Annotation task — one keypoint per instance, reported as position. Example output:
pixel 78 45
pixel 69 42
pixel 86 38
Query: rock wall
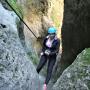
pixel 16 70
pixel 4 4
pixel 75 31
pixel 39 15
pixel 77 75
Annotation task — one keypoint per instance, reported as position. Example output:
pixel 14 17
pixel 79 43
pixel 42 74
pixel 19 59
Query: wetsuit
pixel 51 58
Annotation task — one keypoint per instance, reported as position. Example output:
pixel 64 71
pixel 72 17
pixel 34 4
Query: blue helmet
pixel 51 30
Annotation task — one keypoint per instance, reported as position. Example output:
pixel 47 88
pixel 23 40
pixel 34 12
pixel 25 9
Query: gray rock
pixel 8 18
pixel 16 71
pixel 77 75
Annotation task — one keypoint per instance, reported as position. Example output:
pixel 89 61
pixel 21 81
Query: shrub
pixel 16 7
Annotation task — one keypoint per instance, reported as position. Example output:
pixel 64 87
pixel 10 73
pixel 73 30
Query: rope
pixel 21 18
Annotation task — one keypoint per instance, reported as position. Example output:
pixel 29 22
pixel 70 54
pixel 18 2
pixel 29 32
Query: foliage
pixel 85 57
pixel 34 57
pixel 55 18
pixel 17 7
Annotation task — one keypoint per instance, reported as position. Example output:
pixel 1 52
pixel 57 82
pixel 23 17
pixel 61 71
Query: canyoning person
pixel 49 53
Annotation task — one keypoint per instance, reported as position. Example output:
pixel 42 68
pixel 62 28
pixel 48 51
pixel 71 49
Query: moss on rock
pixel 77 75
pixel 17 7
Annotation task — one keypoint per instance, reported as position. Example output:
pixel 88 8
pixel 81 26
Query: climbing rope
pixel 20 18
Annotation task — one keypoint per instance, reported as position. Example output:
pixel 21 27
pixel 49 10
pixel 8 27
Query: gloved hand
pixel 47 52
pixel 41 53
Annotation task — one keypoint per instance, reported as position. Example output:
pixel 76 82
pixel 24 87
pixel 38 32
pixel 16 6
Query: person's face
pixel 51 36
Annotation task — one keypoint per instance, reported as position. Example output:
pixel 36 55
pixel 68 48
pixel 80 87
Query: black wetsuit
pixel 51 58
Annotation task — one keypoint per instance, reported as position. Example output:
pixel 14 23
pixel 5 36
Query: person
pixel 49 53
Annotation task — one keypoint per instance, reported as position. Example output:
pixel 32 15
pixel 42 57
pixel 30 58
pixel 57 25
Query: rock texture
pixel 5 4
pixel 75 30
pixel 16 71
pixel 39 15
pixel 77 75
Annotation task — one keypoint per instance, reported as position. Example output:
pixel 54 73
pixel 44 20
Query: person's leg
pixel 42 62
pixel 51 63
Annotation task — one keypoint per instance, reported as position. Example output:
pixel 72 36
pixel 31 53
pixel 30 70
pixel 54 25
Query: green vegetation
pixel 55 18
pixel 17 7
pixel 85 57
pixel 82 63
pixel 34 57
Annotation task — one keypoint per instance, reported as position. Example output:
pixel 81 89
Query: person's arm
pixel 57 48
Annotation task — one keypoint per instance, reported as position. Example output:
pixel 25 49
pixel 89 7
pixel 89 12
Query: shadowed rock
pixel 75 31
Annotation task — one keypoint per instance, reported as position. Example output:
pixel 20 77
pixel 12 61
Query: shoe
pixel 45 87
